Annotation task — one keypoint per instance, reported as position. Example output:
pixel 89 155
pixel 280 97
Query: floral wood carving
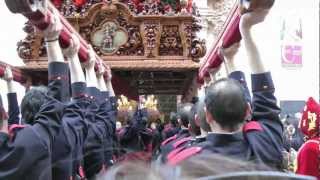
pixel 24 47
pixel 187 36
pixel 134 45
pixel 198 48
pixel 148 36
pixel 151 31
pixel 170 41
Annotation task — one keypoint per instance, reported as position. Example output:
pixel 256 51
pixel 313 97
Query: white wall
pixel 291 83
pixel 297 83
pixel 11 32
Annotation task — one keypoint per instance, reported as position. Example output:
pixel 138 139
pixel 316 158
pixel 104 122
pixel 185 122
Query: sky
pixel 10 34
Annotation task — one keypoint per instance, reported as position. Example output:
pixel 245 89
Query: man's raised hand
pixel 92 59
pixel 252 18
pixel 230 52
pixel 73 48
pixel 8 76
pixel 53 30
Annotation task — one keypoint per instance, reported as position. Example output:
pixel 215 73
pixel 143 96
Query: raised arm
pixel 247 21
pixel 78 81
pixel 58 83
pixel 100 78
pixel 228 54
pixel 233 71
pixel 264 102
pixel 13 107
pixel 32 144
pixel 109 83
pixel 51 37
pixel 265 112
pixel 3 120
pixel 89 69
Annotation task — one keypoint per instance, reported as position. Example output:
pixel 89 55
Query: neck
pixel 203 132
pixel 219 130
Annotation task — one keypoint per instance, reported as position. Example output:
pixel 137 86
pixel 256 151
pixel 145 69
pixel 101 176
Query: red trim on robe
pixel 185 154
pixel 181 141
pixel 252 126
pixel 169 140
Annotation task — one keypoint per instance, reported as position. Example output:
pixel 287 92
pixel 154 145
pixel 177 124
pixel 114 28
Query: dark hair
pixel 194 100
pixel 32 102
pixel 195 127
pixel 173 119
pixel 202 116
pixel 185 114
pixel 199 166
pixel 225 101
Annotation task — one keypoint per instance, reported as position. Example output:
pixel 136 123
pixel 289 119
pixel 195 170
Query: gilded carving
pixel 151 31
pixel 170 41
pixel 115 30
pixel 198 48
pixel 24 47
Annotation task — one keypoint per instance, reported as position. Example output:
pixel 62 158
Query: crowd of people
pixel 69 129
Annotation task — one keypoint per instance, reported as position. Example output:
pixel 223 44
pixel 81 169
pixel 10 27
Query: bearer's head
pixel 185 115
pixel 226 105
pixel 32 102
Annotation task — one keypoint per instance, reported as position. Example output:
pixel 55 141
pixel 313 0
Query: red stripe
pixel 185 154
pixel 252 126
pixel 169 140
pixel 174 152
pixel 181 141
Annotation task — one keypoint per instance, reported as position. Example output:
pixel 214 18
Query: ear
pixel 248 112
pixel 189 127
pixel 208 116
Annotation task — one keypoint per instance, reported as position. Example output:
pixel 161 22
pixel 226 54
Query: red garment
pixel 79 3
pixel 310 121
pixel 308 158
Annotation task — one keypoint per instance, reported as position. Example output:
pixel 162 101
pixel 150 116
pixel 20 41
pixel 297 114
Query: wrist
pixel 244 30
pixel 50 40
pixel 70 58
pixel 100 77
pixel 231 65
pixel 89 69
pixel 108 80
pixel 9 81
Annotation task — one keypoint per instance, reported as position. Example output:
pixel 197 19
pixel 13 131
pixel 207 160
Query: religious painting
pixel 109 37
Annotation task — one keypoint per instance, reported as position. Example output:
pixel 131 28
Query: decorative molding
pixel 151 36
pixel 170 41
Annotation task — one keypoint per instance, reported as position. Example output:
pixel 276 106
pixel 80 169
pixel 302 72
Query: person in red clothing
pixel 308 159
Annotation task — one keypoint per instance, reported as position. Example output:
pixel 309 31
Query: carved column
pixel 186 37
pixel 151 40
pixel 213 17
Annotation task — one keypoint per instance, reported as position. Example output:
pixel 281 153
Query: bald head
pixel 225 101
